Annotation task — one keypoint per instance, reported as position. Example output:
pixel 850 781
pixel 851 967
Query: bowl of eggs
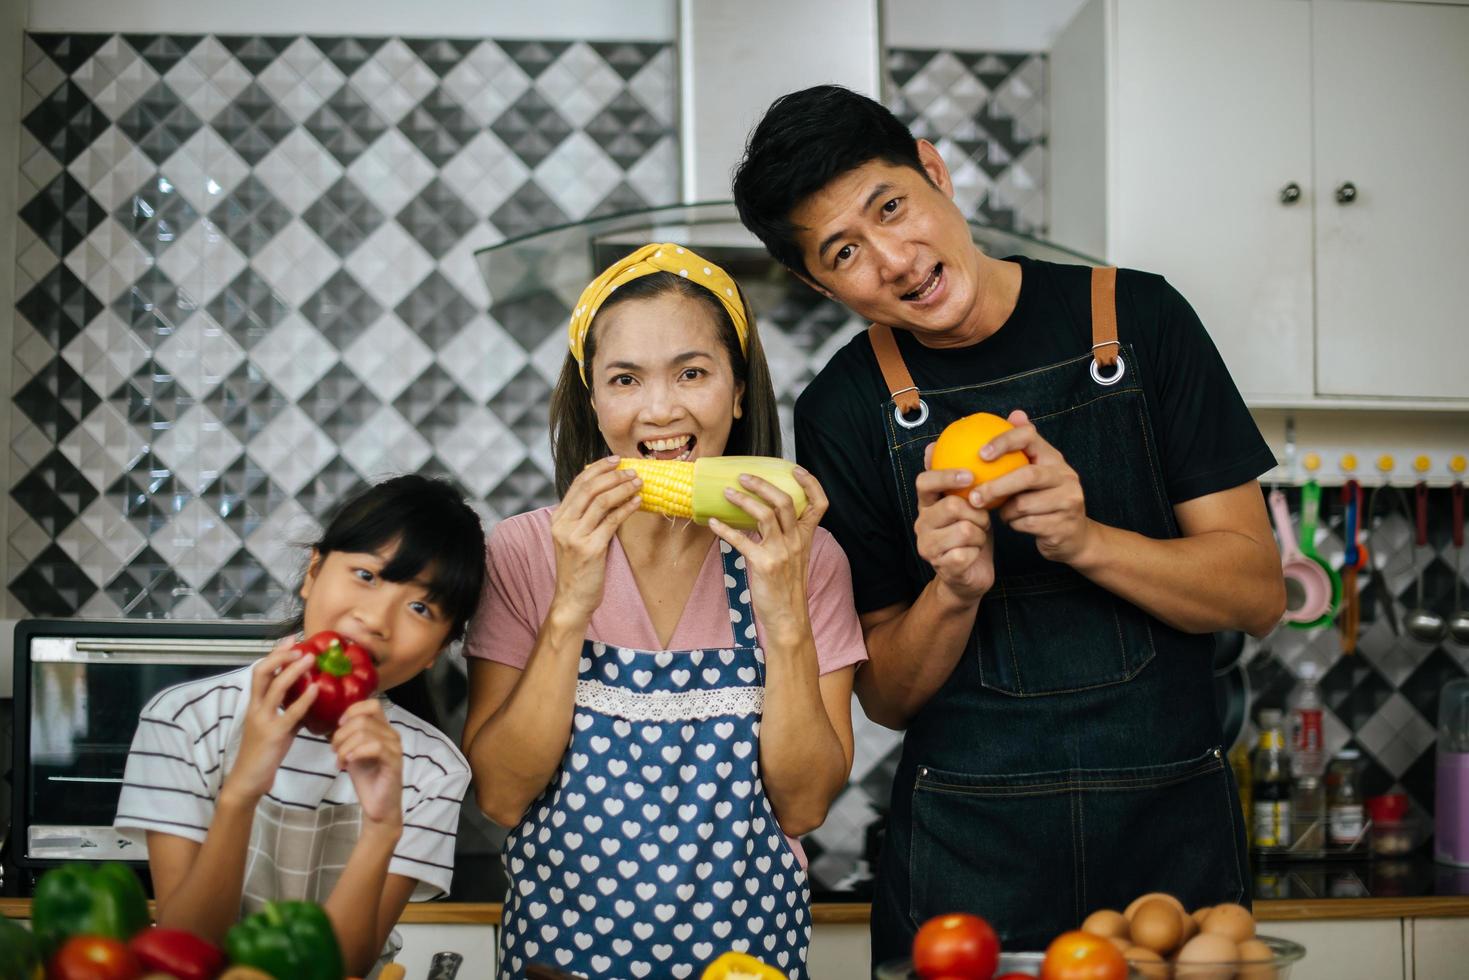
pixel 1161 940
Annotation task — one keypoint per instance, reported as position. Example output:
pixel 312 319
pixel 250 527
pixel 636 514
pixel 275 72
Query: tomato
pixel 956 947
pixel 1082 956
pixel 93 958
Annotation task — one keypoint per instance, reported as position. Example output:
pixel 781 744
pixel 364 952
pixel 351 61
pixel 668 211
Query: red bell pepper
pixel 343 675
pixel 178 953
pixel 93 958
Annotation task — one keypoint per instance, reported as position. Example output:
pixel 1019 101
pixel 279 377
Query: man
pixel 1048 659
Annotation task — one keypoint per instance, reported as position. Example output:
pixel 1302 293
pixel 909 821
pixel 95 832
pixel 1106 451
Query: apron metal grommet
pixel 1114 377
pixel 922 415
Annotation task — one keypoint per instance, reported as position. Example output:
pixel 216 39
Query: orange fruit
pixel 958 448
pixel 1082 956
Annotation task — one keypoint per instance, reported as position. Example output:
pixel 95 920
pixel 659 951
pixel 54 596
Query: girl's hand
pixel 370 751
pixel 268 730
pixel 597 502
pixel 778 553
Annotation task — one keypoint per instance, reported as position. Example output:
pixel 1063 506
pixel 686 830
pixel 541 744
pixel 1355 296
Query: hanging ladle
pixel 1459 621
pixel 1424 625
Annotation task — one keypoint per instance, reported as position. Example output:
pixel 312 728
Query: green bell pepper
pixel 20 954
pixel 88 899
pixel 288 940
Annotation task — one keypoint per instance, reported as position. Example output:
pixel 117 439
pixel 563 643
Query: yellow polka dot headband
pixel 657 257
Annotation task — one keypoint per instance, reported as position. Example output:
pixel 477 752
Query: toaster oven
pixel 79 688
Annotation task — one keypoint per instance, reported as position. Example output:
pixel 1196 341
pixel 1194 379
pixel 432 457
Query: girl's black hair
pixel 429 526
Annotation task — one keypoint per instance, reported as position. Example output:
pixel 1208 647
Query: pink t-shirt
pixel 521 563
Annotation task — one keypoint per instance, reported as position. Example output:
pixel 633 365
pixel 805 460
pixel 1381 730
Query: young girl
pixel 240 805
pixel 651 748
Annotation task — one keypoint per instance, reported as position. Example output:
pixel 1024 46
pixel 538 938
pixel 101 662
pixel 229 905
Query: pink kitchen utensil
pixel 1307 587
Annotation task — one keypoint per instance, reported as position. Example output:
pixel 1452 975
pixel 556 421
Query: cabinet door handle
pixel 1346 193
pixel 1290 193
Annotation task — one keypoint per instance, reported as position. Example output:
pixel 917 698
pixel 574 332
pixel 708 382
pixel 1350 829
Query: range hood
pixel 541 274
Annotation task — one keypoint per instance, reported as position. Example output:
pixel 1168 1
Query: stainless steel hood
pixel 543 273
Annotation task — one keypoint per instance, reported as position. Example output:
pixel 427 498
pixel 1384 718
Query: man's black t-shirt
pixel 1207 440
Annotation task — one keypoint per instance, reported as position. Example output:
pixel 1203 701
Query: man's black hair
pixel 805 140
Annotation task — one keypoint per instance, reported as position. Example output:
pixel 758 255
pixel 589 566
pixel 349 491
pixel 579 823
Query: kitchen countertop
pixel 1411 888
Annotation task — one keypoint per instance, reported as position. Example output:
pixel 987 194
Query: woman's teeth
pixel 679 446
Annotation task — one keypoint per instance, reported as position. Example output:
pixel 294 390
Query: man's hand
pixel 953 532
pixel 1046 500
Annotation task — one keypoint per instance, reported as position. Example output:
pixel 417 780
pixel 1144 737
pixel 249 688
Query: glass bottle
pixel 1272 784
pixel 1345 817
pixel 1307 754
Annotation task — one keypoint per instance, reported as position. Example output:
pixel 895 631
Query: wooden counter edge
pixel 856 913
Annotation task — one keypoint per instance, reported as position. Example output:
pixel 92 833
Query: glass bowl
pixel 1286 954
pixel 1026 963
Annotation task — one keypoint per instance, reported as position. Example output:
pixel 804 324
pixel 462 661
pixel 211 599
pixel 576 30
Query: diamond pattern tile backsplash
pixel 246 287
pixel 986 113
pixel 1383 697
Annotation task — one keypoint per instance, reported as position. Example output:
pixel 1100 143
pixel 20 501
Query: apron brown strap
pixel 1105 345
pixel 894 372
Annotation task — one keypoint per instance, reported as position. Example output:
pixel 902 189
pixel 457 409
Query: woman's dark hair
pixel 431 528
pixel 805 140
pixel 575 438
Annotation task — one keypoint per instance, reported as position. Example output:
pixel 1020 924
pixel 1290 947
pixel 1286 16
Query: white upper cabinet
pixel 1391 124
pixel 1212 141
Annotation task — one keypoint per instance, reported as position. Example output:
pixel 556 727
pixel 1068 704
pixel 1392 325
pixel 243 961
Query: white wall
pixel 736 58
pixel 640 20
pixel 975 25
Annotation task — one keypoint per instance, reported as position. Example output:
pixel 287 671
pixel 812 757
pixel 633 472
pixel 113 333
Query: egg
pixel 1157 925
pixel 1233 922
pixel 1146 963
pixel 1207 956
pixel 1122 943
pixel 1190 928
pixel 1137 903
pixel 1107 923
pixel 1254 951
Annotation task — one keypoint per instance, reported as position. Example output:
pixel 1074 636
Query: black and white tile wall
pixel 986 113
pixel 245 287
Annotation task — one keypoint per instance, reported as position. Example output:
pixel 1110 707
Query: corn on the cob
pixel 668 485
pixel 695 490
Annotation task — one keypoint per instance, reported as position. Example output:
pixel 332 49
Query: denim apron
pixel 1073 759
pixel 655 849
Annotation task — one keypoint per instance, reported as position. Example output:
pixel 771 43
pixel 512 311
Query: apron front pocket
pixel 1056 633
pixel 1172 828
pixel 1035 853
pixel 997 846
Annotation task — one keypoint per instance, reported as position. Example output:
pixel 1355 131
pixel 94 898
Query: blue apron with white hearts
pixel 655 849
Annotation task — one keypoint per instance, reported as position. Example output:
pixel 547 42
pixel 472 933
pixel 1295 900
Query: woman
pixel 647 752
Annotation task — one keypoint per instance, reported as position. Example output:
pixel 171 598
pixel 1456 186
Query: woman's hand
pixel 778 553
pixel 269 731
pixel 370 751
pixel 597 502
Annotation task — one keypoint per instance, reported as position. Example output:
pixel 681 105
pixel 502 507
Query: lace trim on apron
pixel 696 705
